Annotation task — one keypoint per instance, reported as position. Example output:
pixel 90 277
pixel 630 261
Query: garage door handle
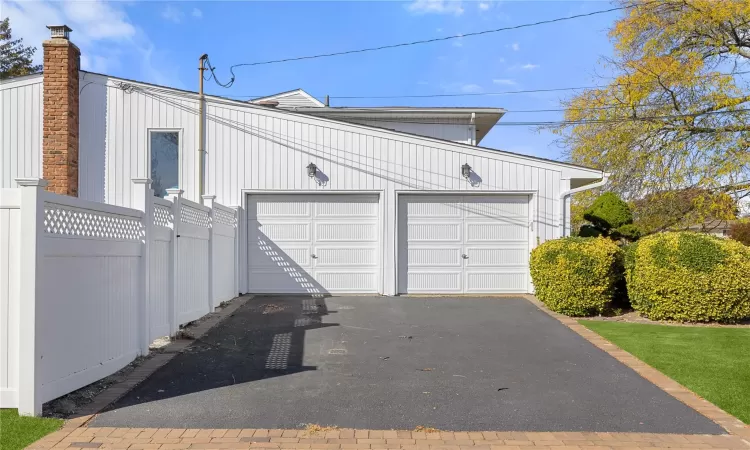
pixel 465 256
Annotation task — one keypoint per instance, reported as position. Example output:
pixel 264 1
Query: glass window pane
pixel 165 147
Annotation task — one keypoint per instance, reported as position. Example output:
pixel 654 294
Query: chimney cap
pixel 59 31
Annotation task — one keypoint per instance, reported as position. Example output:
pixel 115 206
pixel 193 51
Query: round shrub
pixel 608 211
pixel 576 276
pixel 689 277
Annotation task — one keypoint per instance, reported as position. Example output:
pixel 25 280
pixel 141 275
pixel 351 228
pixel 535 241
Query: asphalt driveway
pixel 396 363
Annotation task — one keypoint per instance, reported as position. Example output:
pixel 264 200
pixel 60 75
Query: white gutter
pixel 565 194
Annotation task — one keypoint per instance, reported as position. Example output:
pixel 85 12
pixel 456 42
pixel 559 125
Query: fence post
pixel 208 200
pixel 143 200
pixel 237 243
pixel 175 195
pixel 32 233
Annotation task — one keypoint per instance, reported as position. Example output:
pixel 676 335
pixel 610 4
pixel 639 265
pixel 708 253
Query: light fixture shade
pixel 312 169
pixel 466 170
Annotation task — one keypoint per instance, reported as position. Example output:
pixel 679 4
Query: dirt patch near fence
pixel 71 405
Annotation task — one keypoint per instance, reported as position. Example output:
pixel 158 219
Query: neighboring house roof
pixel 483 118
pixel 712 226
pixel 291 99
pixel 300 101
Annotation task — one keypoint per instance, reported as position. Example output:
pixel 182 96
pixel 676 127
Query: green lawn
pixel 18 432
pixel 712 362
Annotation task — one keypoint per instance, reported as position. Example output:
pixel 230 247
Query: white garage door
pixel 304 243
pixel 463 244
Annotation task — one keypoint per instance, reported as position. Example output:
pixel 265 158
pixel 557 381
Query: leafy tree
pixel 609 216
pixel 15 59
pixel 677 114
pixel 679 209
pixel 740 231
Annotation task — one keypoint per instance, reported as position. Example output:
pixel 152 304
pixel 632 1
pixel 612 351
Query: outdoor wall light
pixel 466 170
pixel 312 170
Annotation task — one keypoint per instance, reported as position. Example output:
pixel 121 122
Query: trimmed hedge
pixel 608 211
pixel 577 276
pixel 689 277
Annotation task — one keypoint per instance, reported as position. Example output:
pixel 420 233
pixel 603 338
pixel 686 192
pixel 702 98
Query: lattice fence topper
pixel 163 216
pixel 224 217
pixel 194 216
pixel 68 221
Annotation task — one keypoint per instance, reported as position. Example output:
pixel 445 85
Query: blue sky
pixel 160 42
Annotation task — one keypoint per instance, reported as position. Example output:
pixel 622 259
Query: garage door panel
pixel 434 257
pixel 431 209
pixel 267 256
pixel 285 231
pixel 508 207
pixel 347 209
pixel 346 231
pixel 496 281
pixel 281 208
pixel 433 232
pixel 495 232
pixel 345 256
pixel 496 257
pixel 435 281
pixel 347 281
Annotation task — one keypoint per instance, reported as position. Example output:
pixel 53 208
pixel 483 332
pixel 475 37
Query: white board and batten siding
pixel 21 106
pixel 20 129
pixel 255 149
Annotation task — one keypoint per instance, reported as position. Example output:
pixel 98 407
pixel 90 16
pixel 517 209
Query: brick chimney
pixel 62 60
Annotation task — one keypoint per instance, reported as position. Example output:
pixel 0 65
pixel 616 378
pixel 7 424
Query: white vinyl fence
pixel 87 286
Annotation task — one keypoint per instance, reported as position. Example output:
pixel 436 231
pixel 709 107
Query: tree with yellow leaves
pixel 676 116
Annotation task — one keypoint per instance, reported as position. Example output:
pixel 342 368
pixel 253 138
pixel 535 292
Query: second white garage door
pixel 463 243
pixel 311 243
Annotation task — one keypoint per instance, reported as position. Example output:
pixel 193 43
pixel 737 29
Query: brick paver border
pixel 347 439
pixel 730 423
pixel 75 434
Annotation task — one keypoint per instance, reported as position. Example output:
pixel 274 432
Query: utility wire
pixel 418 42
pixel 131 88
pixel 480 94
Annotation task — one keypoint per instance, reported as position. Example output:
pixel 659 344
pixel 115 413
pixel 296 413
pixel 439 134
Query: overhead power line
pixel 480 94
pixel 418 42
pixel 129 88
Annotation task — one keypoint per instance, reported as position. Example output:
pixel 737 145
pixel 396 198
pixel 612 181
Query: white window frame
pixel 179 132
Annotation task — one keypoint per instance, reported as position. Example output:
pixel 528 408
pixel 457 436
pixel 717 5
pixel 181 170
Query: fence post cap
pixel 175 191
pixel 208 197
pixel 34 182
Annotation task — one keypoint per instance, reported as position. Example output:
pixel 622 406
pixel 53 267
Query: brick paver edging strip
pixel 347 439
pixel 725 420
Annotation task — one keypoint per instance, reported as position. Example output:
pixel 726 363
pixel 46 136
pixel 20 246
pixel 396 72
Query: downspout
pixel 565 194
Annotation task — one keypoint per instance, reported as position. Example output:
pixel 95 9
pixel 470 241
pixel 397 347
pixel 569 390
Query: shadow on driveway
pixel 460 364
pixel 258 341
